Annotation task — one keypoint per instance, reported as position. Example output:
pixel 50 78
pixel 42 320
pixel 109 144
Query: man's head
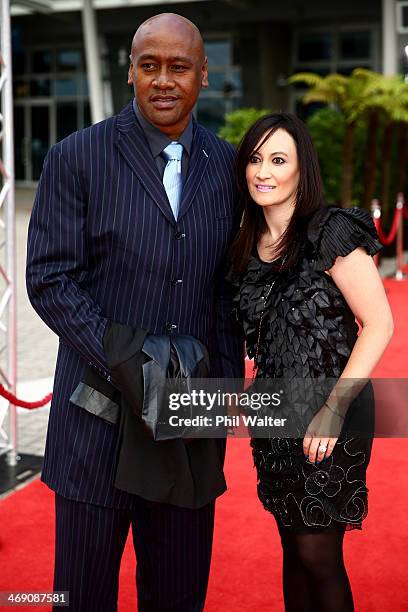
pixel 167 70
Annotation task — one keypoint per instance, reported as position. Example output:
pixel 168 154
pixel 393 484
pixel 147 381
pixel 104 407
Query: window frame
pixel 336 63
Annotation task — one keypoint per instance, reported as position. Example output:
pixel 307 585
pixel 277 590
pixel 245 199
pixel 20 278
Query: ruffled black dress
pixel 309 331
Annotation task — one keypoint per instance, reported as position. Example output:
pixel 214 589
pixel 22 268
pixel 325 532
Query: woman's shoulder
pixel 333 232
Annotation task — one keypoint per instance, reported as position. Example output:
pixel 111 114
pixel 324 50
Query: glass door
pixel 40 138
pixel 33 124
pixel 20 144
pixel 225 91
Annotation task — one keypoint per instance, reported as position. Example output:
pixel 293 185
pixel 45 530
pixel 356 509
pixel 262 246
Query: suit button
pixel 171 327
pixel 179 235
pixel 176 281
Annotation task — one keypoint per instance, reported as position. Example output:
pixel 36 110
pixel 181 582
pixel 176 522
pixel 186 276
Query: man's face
pixel 167 71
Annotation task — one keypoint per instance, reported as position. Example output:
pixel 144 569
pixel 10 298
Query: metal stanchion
pixel 399 255
pixel 376 214
pixel 396 233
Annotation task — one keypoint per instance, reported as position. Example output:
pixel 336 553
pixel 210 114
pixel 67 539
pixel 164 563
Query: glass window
pixel 66 87
pixel 315 47
pixel 40 87
pixel 355 45
pixel 210 112
pixel 404 15
pixel 19 62
pixel 41 61
pixel 347 70
pixel 321 70
pixel 225 89
pixel 82 85
pixel 225 81
pixel 21 89
pixel 87 115
pixel 39 138
pixel 216 80
pixel 18 50
pixel 67 121
pixel 218 52
pixel 68 60
pixel 19 149
pixel 235 103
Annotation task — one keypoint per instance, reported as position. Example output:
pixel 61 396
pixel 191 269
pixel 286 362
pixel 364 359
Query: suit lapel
pixel 133 146
pixel 200 154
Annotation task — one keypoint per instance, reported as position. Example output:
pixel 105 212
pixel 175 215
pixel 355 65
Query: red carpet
pixel 246 571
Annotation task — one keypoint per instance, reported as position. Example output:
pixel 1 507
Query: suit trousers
pixel 172 546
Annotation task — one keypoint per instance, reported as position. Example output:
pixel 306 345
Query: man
pixel 130 234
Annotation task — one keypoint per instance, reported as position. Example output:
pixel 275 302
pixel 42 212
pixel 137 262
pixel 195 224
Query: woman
pixel 305 273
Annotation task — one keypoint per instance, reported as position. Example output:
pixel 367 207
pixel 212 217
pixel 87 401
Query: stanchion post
pixel 376 214
pixel 9 270
pixel 399 274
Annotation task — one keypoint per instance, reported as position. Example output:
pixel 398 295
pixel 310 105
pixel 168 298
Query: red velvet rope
pixel 405 211
pixel 23 404
pixel 386 240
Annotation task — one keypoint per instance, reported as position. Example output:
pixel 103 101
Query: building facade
pixel 252 47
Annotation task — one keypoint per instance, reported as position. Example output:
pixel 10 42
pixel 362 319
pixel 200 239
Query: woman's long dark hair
pixel 309 194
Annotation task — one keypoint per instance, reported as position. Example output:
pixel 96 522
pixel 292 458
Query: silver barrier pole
pixel 376 214
pixel 399 273
pixel 7 201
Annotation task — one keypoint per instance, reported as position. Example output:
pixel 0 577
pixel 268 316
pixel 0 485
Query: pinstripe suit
pixel 104 246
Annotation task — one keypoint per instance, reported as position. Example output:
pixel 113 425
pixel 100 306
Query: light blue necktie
pixel 172 177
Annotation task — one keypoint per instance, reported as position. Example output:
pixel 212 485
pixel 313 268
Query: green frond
pixel 319 96
pixel 356 95
pixel 309 78
pixel 372 88
pixel 366 73
pixel 394 85
pixel 399 114
pixel 336 80
pixel 372 79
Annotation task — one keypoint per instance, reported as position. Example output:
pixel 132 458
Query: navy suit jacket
pixel 104 247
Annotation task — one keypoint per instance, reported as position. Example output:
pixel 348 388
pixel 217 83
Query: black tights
pixel 314 575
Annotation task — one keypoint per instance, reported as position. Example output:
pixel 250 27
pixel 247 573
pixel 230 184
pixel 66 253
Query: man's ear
pixel 204 73
pixel 130 73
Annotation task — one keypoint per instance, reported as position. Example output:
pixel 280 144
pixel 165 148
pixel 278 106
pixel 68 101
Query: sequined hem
pixel 302 495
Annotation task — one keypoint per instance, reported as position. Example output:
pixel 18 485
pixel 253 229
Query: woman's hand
pixel 317 445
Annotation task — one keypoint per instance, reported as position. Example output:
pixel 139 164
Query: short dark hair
pixel 309 194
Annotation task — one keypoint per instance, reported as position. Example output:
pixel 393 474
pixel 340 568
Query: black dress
pixel 308 331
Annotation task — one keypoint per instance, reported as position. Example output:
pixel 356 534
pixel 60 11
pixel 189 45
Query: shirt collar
pixel 159 141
